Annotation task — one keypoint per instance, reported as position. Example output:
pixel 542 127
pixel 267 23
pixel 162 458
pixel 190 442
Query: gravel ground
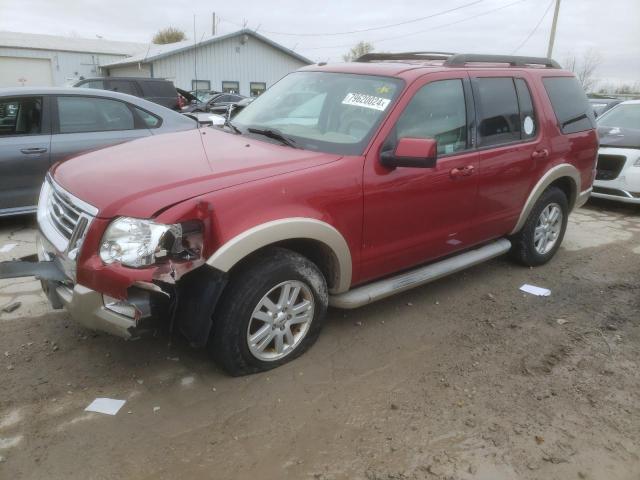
pixel 466 378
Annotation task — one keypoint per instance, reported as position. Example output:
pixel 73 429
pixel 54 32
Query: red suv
pixel 340 185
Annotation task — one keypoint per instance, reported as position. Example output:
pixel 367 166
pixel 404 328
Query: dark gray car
pixel 42 126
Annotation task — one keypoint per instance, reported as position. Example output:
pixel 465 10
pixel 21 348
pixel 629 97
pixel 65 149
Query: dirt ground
pixel 466 378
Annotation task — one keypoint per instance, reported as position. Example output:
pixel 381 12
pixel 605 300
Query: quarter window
pixel 256 88
pixel 20 116
pixel 151 121
pixel 527 113
pixel 437 111
pixel 498 111
pixel 231 87
pixel 88 114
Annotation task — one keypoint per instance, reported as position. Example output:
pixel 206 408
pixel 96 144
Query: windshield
pixel 328 112
pixel 623 116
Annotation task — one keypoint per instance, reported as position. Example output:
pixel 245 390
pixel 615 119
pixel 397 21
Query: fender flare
pixel 559 171
pixel 249 241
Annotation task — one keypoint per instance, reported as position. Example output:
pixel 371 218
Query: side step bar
pixel 372 292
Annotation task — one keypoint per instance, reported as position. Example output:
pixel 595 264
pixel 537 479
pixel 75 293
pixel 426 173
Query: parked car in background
pixel 206 119
pixel 156 90
pixel 618 169
pixel 601 105
pixel 42 126
pixel 214 103
pixel 401 170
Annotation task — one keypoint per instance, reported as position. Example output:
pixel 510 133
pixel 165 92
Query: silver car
pixel 42 126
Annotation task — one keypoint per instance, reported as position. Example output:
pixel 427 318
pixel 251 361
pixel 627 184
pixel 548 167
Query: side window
pixel 87 114
pixel 231 87
pixel 570 104
pixel 529 124
pixel 150 121
pixel 98 84
pixel 123 86
pixel 437 111
pixel 158 88
pixel 498 112
pixel 20 116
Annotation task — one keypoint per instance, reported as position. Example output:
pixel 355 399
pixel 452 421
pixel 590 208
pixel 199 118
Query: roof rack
pixel 462 59
pixel 378 57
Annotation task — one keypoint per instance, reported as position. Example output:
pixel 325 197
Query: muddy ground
pixel 467 378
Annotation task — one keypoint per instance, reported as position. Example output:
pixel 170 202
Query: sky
pixel 316 29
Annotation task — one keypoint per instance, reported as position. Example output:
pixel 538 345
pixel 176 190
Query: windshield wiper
pixel 227 123
pixel 275 134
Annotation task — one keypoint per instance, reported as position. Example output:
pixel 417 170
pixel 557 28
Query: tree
pixel 361 48
pixel 585 68
pixel 168 35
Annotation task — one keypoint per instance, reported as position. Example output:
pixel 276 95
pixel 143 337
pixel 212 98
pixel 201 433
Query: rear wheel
pixel 271 312
pixel 544 230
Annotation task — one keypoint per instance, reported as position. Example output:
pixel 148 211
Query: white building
pixel 28 59
pixel 243 62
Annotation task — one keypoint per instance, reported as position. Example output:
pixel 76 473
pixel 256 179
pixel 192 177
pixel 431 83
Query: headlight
pixel 137 243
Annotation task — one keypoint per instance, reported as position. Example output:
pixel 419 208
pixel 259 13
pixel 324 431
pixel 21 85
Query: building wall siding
pixel 66 67
pixel 228 60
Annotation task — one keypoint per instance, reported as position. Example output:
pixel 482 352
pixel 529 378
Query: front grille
pixel 64 215
pixel 609 166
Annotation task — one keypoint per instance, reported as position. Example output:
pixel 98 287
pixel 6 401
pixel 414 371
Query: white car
pixel 618 170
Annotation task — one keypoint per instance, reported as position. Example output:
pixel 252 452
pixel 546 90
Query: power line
pixel 406 22
pixel 535 29
pixel 488 12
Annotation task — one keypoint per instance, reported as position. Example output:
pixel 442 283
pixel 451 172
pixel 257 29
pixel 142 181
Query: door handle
pixel 462 171
pixel 33 150
pixel 544 153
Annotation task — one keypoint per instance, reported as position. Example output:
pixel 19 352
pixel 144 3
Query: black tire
pixel 229 345
pixel 523 248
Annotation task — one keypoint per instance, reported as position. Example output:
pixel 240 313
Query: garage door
pixel 28 72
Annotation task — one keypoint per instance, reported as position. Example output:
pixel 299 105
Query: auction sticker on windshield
pixel 366 101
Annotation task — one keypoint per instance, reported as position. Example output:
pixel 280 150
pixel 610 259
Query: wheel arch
pixel 317 240
pixel 564 176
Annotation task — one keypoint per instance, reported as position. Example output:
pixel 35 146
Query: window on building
pixel 231 87
pixel 123 86
pixel 437 111
pixel 498 111
pixel 87 114
pixel 20 116
pixel 569 103
pixel 256 88
pixel 201 85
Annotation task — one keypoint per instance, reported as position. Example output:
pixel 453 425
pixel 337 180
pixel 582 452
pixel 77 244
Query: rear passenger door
pixel 24 150
pixel 510 147
pixel 83 123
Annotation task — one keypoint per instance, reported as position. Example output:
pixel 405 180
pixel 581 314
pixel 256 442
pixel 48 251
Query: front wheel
pixel 544 230
pixel 271 312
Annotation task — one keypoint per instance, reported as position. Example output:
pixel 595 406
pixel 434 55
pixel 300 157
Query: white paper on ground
pixel 7 248
pixel 108 406
pixel 532 289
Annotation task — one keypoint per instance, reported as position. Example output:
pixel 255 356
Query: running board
pixel 372 292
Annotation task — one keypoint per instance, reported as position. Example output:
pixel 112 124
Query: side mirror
pixel 412 152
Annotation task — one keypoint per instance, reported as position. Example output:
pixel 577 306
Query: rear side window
pixel 158 89
pixel 20 116
pixel 123 86
pixel 527 113
pixel 570 104
pixel 437 111
pixel 89 114
pixel 498 111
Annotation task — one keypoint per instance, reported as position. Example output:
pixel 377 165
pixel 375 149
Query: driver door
pixel 414 215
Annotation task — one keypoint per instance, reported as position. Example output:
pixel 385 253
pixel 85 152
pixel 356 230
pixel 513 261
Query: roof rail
pixel 461 59
pixel 378 57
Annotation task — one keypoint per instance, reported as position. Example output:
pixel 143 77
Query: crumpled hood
pixel 619 137
pixel 143 176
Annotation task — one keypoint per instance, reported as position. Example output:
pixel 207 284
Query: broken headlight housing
pixel 136 242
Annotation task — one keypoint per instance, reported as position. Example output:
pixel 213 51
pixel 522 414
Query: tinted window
pixel 151 121
pixel 99 84
pixel 20 116
pixel 569 103
pixel 86 114
pixel 498 112
pixel 529 124
pixel 123 86
pixel 437 111
pixel 158 88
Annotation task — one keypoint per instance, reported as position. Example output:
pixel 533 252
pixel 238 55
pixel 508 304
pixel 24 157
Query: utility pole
pixel 213 24
pixel 552 37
